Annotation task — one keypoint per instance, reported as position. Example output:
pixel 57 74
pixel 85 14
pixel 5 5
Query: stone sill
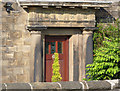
pixel 103 85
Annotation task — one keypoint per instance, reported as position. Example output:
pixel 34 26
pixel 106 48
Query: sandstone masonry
pixel 15 45
pixel 21 35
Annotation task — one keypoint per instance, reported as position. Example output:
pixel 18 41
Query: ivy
pixel 106 61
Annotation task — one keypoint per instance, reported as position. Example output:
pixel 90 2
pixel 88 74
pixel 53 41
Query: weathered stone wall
pixel 16 42
pixel 15 45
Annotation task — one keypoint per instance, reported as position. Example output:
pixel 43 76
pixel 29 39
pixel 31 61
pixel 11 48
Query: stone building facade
pixel 30 23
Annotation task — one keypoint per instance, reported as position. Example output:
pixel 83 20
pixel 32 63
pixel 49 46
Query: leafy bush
pixel 106 61
pixel 56 67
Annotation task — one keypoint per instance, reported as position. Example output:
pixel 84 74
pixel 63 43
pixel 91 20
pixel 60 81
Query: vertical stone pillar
pixel 81 62
pixel 71 58
pixel 75 57
pixel 87 51
pixel 36 60
pixel 75 51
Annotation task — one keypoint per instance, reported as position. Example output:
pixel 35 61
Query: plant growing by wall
pixel 106 62
pixel 56 68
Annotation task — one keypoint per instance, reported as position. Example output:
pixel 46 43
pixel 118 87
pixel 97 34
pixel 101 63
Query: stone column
pixel 87 51
pixel 80 49
pixel 74 57
pixel 36 60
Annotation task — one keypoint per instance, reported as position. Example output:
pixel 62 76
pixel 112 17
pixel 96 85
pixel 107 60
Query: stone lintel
pixel 36 28
pixel 39 27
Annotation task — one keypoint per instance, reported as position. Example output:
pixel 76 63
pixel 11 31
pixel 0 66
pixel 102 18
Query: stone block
pixel 26 54
pixel 13 63
pixel 115 3
pixel 4 42
pixel 26 48
pixel 22 78
pixel 18 70
pixel 115 14
pixel 18 42
pixel 26 36
pixel 7 26
pixel 45 85
pixel 17 55
pixel 101 85
pixel 8 49
pixel 18 86
pixel 4 57
pixel 18 48
pixel 5 79
pixel 5 63
pixel 4 19
pixel 5 34
pixel 15 34
pixel 9 42
pixel 9 55
pixel 22 19
pixel 11 49
pixel 4 72
pixel 9 71
pixel 4 11
pixel 10 19
pixel 19 26
pixel 23 62
pixel 71 85
pixel 115 84
pixel 114 8
pixel 4 48
pixel 27 41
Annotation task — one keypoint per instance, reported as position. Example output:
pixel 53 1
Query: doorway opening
pixel 57 44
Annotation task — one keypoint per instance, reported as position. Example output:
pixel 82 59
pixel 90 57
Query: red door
pixel 59 45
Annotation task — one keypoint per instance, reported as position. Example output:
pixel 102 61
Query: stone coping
pixel 103 85
pixel 62 3
pixel 80 1
pixel 65 3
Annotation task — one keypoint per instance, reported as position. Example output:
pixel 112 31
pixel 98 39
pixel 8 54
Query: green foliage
pixel 56 67
pixel 110 31
pixel 106 61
